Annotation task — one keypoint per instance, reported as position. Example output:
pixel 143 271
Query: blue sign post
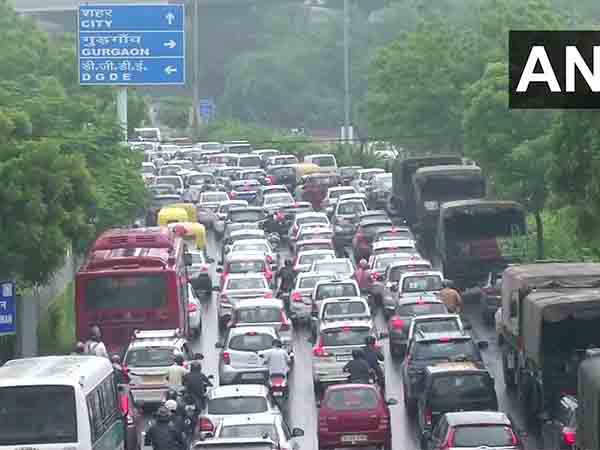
pixel 207 109
pixel 131 44
pixel 8 308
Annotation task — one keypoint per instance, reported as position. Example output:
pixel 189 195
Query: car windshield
pixel 336 193
pixel 345 336
pixel 436 325
pixel 225 406
pixel 283 199
pixel 308 235
pixel 351 207
pixel 309 259
pixel 420 309
pixel 249 161
pixel 341 268
pixel 445 349
pixel 150 357
pixel 336 290
pixel 251 342
pixel 352 399
pixel 465 386
pixel 283 171
pixel 40 414
pixel 246 216
pixel 324 161
pixel 312 219
pixel 259 315
pixel 245 283
pixel 382 263
pixel 250 247
pixel 316 246
pixel 344 309
pixel 213 197
pixel 250 431
pixel 396 272
pixel 245 266
pixel 483 436
pixel 173 181
pixel 422 283
pixel 203 178
pixel 310 282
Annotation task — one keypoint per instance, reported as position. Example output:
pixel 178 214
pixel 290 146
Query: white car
pixel 314 218
pixel 194 311
pixel 207 206
pixel 363 177
pixel 304 260
pixel 325 161
pixel 333 195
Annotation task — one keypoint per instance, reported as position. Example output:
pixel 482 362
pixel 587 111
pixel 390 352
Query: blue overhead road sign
pixel 8 308
pixel 131 44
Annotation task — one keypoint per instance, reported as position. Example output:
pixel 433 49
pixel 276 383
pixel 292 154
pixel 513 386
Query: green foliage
pixel 174 112
pixel 56 333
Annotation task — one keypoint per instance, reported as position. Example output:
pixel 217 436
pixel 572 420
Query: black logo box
pixel 538 94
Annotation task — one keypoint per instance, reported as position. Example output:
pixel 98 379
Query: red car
pixel 354 415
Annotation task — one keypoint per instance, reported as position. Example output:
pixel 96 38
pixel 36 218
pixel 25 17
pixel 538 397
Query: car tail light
pixel 449 442
pixel 569 436
pixel 515 438
pixel 397 323
pixel 319 350
pixel 124 404
pixel 268 274
pixel 374 276
pixel 226 358
pixel 279 216
pixel 296 297
pixel 224 298
pixel 204 269
pixel 427 416
pixel 285 323
pixel 384 421
pixel 268 294
pixel 444 339
pixel 192 307
pixel 206 425
pixel 270 179
pixel 566 392
pixel 269 259
pixel 232 195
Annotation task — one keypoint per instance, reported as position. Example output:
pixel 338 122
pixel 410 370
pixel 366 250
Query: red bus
pixel 132 279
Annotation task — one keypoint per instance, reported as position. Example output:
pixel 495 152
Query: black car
pixel 560 432
pixel 285 175
pixel 282 220
pixel 427 349
pixel 453 387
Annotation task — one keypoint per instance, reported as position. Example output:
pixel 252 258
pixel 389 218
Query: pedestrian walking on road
pixel 94 346
pixel 451 298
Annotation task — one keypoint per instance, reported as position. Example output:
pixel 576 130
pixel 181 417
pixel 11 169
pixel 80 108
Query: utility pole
pixel 196 66
pixel 347 134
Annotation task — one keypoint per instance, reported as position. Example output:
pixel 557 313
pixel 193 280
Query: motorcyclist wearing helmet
pixel 362 275
pixel 163 435
pixel 121 376
pixel 177 371
pixel 196 383
pixel 451 298
pixel 277 359
pixel 373 356
pixel 358 368
pixel 94 345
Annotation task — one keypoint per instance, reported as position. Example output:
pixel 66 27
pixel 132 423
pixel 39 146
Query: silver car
pixel 234 400
pixel 343 267
pixel 304 260
pixel 240 286
pixel 301 301
pixel 266 312
pixel 311 217
pixel 221 213
pixel 207 206
pixel 240 359
pixel 333 349
pixel 257 245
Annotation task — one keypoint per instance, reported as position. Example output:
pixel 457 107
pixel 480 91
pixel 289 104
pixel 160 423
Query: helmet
pixel 356 354
pixel 179 359
pixel 162 412
pixel 276 343
pixel 196 366
pixel 80 347
pixel 370 340
pixel 363 264
pixel 171 405
pixel 288 262
pixel 171 394
pixel 115 359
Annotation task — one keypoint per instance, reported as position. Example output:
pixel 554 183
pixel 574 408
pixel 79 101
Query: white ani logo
pixel 573 60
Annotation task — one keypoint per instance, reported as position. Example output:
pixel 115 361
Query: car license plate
pixel 252 376
pixel 354 438
pixel 277 394
pixel 343 357
pixel 157 379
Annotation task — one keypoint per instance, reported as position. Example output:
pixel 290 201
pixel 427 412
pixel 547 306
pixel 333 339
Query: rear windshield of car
pixel 245 283
pixel 419 309
pixel 251 342
pixel 311 282
pixel 245 247
pixel 436 325
pixel 352 399
pixel 308 247
pixel 351 207
pixel 348 171
pixel 253 161
pixel 170 170
pixel 344 309
pixel 484 436
pixel 458 387
pixel 307 236
pixel 445 350
pixel 345 336
pixel 259 315
pixel 334 267
pixel 317 219
pixel 279 199
pixel 237 405
pixel 282 171
pixel 309 259
pixel 245 266
pixel 251 431
pixel 252 175
pixel 201 179
pixel 149 357
pixel 382 263
pixel 173 181
pixel 213 197
pixel 422 283
pixel 373 227
pixel 338 192
pixel 336 290
pixel 397 272
pixel 246 216
pixel 324 161
pixel 321 180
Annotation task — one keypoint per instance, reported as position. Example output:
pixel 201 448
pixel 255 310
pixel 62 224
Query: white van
pixel 60 402
pixel 325 161
pixel 148 134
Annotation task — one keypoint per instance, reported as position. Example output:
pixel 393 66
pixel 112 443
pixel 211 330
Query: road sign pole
pixel 122 109
pixel 195 56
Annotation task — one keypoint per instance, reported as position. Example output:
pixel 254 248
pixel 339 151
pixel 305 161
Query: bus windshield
pixel 134 292
pixel 31 415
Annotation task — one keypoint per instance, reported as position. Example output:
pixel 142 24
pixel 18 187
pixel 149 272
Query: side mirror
pixel 187 258
pixel 219 270
pixel 297 432
pixel 218 345
pixel 391 402
pixel 482 345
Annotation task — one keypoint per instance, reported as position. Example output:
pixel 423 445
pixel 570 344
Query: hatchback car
pixel 147 359
pixel 334 344
pixel 334 287
pixel 340 308
pixel 246 262
pixel 281 160
pixel 377 267
pixel 246 400
pixel 477 429
pixel 304 260
pixel 391 279
pixel 268 190
pixel 393 233
pixel 363 177
pixel 420 283
pixel 274 202
pixel 240 286
pixel 173 180
pixel 263 312
pixel 244 190
pixel 257 246
pixel 347 173
pixel 247 160
pixel 332 196
pixel 301 302
pixel 270 426
pixel 365 233
pixel 309 232
pixel 396 246
pixel 354 415
pixel 315 218
pixel 207 206
pixel 240 359
pixel 285 175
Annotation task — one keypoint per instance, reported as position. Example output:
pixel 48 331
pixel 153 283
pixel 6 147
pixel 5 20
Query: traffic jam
pixel 326 307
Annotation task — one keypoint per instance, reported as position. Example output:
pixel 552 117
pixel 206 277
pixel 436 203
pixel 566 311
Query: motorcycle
pixel 274 240
pixel 278 385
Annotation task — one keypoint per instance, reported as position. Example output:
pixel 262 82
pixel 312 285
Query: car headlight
pixel 431 206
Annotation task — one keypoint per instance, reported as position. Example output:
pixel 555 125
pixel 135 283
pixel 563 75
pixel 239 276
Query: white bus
pixel 60 402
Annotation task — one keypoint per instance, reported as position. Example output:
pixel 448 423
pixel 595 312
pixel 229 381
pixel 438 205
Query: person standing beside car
pixel 451 298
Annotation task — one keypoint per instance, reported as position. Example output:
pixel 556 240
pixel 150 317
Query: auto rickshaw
pixel 170 214
pixel 190 208
pixel 193 233
pixel 303 169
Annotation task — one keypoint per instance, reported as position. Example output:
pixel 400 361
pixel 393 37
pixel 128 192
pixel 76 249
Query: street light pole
pixel 346 135
pixel 196 65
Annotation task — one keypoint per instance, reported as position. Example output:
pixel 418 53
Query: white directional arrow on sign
pixel 171 44
pixel 170 18
pixel 170 69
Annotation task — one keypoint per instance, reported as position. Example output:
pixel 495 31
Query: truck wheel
pixel 509 374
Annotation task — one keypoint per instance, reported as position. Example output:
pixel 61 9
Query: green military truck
pixel 549 316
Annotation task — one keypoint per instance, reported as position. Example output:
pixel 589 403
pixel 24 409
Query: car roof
pixel 373 169
pixel 453 367
pixel 251 241
pixel 279 194
pixel 274 186
pixel 311 214
pixel 244 276
pixel 322 251
pixel 156 338
pixel 246 256
pixel 477 418
pixel 353 323
pixel 368 221
pixel 422 273
pixel 343 300
pixel 235 390
pixel 394 243
pixel 416 299
pixel 315 275
pixel 233 202
pixel 253 419
pixel 451 335
pixel 252 329
pixel 259 303
pixel 372 212
pixel 247 208
pixel 313 241
pixel 337 260
pixel 341 188
pixel 409 261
